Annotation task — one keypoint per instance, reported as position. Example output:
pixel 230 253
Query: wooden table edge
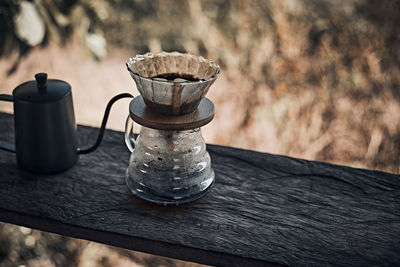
pixel 149 246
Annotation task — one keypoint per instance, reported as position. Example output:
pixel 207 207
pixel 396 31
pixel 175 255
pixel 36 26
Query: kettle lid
pixel 42 90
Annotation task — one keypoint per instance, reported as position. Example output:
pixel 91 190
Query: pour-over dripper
pixel 172 83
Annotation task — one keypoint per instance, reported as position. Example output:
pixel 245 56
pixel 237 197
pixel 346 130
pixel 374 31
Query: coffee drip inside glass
pixel 169 163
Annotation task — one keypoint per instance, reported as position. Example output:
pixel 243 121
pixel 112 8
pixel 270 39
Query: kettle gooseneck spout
pixel 103 123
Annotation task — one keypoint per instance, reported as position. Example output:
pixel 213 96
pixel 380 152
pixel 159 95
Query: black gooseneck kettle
pixel 46 139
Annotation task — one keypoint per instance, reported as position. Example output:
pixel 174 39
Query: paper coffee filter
pixel 151 65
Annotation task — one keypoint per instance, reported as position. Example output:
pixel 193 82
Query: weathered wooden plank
pixel 263 209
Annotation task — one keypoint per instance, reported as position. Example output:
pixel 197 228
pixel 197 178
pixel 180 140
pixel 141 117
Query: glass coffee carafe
pixel 168 166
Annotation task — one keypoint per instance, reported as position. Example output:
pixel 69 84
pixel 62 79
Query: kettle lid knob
pixel 41 80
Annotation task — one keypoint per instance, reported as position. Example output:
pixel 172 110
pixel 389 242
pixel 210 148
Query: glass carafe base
pixel 184 195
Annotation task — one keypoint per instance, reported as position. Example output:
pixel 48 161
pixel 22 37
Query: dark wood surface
pixel 263 209
pixel 143 115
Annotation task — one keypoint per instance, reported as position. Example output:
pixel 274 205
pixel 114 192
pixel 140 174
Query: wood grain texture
pixel 263 209
pixel 143 115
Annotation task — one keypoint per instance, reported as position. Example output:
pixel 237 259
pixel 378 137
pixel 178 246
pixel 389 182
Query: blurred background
pixel 318 80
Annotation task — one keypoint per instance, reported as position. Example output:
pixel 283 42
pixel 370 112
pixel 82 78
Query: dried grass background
pixel 313 79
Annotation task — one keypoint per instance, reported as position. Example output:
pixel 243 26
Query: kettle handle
pixel 3 145
pixel 130 140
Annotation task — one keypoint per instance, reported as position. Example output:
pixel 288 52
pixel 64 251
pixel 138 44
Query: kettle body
pixel 45 135
pixel 45 130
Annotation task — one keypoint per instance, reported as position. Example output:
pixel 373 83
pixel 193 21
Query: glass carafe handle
pixel 130 139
